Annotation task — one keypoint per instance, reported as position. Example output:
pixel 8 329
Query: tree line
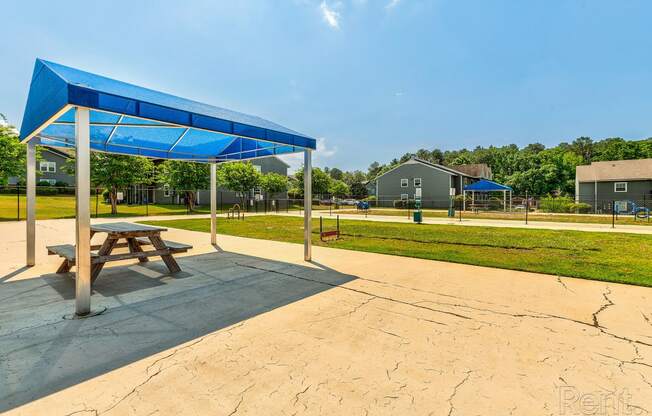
pixel 532 168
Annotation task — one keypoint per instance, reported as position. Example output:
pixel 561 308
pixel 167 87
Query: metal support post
pixel 83 219
pixel 307 205
pixel 31 203
pixel 213 203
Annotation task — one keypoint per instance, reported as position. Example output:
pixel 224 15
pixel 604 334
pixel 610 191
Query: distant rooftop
pixel 478 170
pixel 615 170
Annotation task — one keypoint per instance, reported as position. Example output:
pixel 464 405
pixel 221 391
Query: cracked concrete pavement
pixel 253 330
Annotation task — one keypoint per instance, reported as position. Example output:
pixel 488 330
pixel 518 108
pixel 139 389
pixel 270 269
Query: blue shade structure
pixel 132 120
pixel 485 185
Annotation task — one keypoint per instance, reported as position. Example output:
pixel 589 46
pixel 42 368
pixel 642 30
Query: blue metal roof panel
pixel 486 185
pixel 55 86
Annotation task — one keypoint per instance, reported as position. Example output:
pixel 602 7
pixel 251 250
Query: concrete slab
pixel 251 329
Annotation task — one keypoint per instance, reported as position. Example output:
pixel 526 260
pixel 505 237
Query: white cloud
pixel 330 15
pixel 319 156
pixel 392 4
pixel 323 150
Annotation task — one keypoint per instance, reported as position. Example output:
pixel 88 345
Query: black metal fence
pixel 59 202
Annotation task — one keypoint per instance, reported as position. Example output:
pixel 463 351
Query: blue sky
pixel 370 79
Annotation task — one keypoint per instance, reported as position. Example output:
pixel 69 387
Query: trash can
pixel 417 217
pixel 451 212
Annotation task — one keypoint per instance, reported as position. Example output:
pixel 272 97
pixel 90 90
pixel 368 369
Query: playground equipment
pixel 630 208
pixel 363 206
pixel 329 235
pixel 231 213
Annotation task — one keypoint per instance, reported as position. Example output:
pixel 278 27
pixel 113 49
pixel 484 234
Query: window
pixel 417 182
pixel 620 187
pixel 166 191
pixel 258 168
pixel 404 197
pixel 45 166
pixel 50 182
pixel 258 193
pixel 404 183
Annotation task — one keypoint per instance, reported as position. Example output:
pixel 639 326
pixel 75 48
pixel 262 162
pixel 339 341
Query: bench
pixel 172 245
pixel 326 235
pixel 69 253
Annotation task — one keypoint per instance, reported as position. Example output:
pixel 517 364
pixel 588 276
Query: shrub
pixel 44 188
pixel 555 204
pixel 63 188
pixel 580 208
pixel 402 203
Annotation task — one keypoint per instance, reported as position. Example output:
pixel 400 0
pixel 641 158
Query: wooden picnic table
pixel 135 236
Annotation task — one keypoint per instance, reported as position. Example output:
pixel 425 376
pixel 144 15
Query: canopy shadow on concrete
pixel 42 354
pixel 67 107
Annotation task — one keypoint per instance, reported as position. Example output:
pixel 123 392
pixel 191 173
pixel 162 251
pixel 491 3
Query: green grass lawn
pixel 513 216
pixel 63 206
pixel 613 257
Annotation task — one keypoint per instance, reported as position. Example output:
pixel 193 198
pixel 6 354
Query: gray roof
pixel 476 170
pixel 615 170
pixel 437 166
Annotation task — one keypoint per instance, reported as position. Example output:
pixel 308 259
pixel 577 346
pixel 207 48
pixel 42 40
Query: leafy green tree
pixel 373 170
pixel 617 149
pixel 339 188
pixel 320 182
pixel 437 156
pixel 583 147
pixel 336 174
pixel 239 177
pixel 273 183
pixel 356 182
pixel 424 154
pixel 12 154
pixel 187 177
pixel 116 172
pixel 533 168
pixel 535 148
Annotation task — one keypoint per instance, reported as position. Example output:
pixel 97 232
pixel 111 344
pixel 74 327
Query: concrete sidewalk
pixel 252 329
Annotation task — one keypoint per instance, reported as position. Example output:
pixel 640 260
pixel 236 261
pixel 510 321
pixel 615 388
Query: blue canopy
pixel 132 120
pixel 485 185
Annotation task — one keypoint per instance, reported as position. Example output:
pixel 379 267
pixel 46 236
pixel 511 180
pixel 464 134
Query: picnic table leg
pixel 134 247
pixel 65 267
pixel 105 250
pixel 172 264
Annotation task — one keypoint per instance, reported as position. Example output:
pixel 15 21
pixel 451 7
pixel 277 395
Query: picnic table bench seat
pixel 69 254
pixel 172 245
pixel 67 251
